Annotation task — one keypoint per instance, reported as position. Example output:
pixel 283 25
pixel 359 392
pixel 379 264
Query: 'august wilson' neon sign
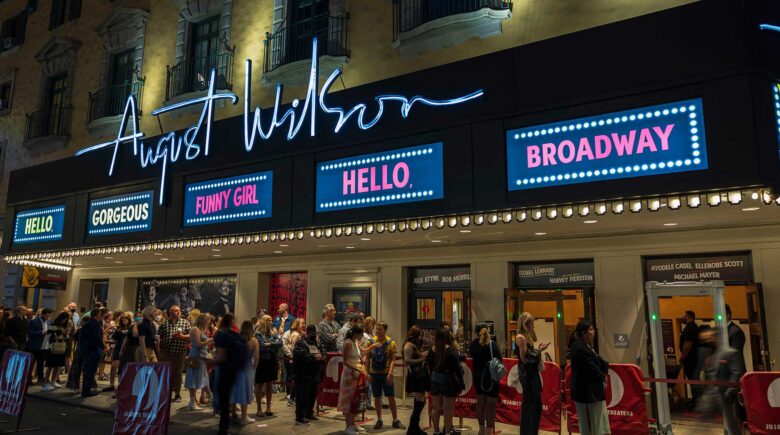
pixel 170 147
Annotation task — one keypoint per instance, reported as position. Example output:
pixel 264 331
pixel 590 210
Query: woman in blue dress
pixel 243 388
pixel 197 378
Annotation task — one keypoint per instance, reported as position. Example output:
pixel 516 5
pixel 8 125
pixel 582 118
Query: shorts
pixel 380 387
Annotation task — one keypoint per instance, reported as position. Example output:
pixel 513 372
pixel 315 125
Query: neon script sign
pixel 390 177
pixel 170 147
pixel 634 143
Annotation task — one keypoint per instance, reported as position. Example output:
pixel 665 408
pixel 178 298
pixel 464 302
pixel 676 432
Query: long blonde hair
pixel 484 337
pixel 525 318
pixel 262 327
pixel 368 325
pixel 296 325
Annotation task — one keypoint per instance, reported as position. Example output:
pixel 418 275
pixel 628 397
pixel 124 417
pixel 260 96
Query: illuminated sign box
pixel 39 225
pixel 634 143
pixel 776 90
pixel 242 198
pixel 390 177
pixel 120 214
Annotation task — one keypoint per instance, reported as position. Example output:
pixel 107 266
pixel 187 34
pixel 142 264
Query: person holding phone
pixel 529 367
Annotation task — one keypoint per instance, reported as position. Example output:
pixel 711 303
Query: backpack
pixel 495 367
pixel 379 357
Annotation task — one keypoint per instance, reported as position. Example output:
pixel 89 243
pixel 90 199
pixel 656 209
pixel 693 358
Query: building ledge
pixel 195 108
pixel 451 30
pixel 105 126
pixel 10 51
pixel 46 143
pixel 297 73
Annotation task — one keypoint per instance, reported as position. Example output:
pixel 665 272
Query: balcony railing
pixel 293 42
pixel 409 14
pixel 192 75
pixel 110 101
pixel 48 122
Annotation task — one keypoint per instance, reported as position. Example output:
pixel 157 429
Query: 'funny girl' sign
pixel 634 143
pixel 241 198
pixel 390 177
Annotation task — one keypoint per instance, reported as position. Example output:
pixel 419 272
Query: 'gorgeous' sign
pixel 390 177
pixel 120 214
pixel 39 225
pixel 633 143
pixel 241 198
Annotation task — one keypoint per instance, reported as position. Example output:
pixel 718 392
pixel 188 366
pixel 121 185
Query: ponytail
pixel 484 337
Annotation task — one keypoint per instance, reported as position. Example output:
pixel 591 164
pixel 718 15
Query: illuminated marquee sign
pixel 39 225
pixel 390 177
pixel 120 214
pixel 233 199
pixel 776 90
pixel 634 143
pixel 170 147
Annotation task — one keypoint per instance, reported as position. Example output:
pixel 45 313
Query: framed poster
pixel 209 294
pixel 351 300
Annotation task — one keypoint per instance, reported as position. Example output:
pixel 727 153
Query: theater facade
pixel 556 177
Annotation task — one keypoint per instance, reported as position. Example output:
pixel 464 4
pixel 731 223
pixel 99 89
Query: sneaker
pixel 247 421
pixel 370 408
pixel 312 418
pixel 57 385
pixel 349 431
pixel 47 387
pixel 193 407
pixel 398 425
pixel 378 425
pixel 107 389
pixel 301 422
pixel 359 428
pixel 177 399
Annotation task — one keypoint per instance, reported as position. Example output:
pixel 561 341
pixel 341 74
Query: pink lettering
pixel 548 154
pixel 374 187
pixel 645 141
pixel 603 146
pixel 584 150
pixel 532 152
pixel 385 184
pixel 198 205
pixel 224 200
pixel 362 175
pixel 348 185
pixel 237 196
pixel 624 145
pixel 566 145
pixel 664 135
pixel 400 167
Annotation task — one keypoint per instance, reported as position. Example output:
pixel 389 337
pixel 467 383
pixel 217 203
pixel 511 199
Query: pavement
pixel 51 410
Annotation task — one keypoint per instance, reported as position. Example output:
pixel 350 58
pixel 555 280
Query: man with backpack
pixel 381 363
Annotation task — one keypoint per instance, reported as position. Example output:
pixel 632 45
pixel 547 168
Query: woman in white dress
pixel 350 377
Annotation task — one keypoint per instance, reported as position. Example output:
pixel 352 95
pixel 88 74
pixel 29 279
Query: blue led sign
pixel 776 91
pixel 120 214
pixel 170 147
pixel 634 143
pixel 233 199
pixel 390 177
pixel 39 225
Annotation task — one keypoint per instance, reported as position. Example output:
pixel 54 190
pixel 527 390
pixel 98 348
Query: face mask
pixel 73 310
pixel 137 319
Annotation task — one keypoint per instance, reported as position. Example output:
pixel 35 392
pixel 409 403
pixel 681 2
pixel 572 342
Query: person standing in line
pixel 109 326
pixel 229 358
pixel 328 329
pixel 287 347
pixel 588 377
pixel 380 374
pixel 446 380
pixel 352 322
pixel 283 321
pixel 123 325
pixel 17 327
pixel 36 334
pixel 197 378
pixel 417 380
pixel 352 376
pixel 74 315
pixel 307 363
pixel 90 349
pixel 241 394
pixel 530 364
pixel 369 323
pixel 148 347
pixel 174 335
pixel 722 364
pixel 268 367
pixel 483 349
pixel 55 360
pixel 689 343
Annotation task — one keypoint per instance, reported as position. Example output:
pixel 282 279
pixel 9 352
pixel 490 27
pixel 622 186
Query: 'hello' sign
pixel 390 177
pixel 647 141
pixel 39 225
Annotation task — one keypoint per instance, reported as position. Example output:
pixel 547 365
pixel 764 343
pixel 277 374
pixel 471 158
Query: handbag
pixel 495 366
pixel 59 347
pixel 193 362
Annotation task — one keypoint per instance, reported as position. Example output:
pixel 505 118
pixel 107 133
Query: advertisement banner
pixel 423 278
pixel 653 140
pixel 143 399
pixel 288 288
pixel 121 214
pixel 14 381
pixel 328 393
pixel 389 177
pixel 242 198
pixel 42 278
pixel 561 274
pixel 730 267
pixel 39 225
pixel 760 392
pixel 625 397
pixel 351 300
pixel 209 294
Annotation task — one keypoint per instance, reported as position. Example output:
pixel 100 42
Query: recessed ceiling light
pixel 465 231
pixel 540 234
pixel 157 253
pixel 277 252
pixel 283 246
pixel 118 262
pixel 77 264
pixel 592 221
pixel 213 249
pixel 435 241
pixel 670 224
pixel 751 208
pixel 216 255
pixel 349 247
pixel 163 259
pixel 365 239
pixel 109 258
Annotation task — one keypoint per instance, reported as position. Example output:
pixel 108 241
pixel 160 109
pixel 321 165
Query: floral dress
pixel 349 381
pixel 108 339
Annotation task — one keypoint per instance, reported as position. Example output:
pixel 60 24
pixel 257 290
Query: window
pixel 204 49
pixel 12 31
pixel 121 80
pixel 5 96
pixel 55 103
pixel 63 11
pixel 308 18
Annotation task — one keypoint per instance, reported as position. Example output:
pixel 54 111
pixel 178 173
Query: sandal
pixel 269 414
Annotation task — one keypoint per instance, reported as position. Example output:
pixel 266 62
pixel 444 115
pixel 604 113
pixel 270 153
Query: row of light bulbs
pixel 673 202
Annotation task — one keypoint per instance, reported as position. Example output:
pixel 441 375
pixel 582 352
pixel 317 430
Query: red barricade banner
pixel 143 399
pixel 625 397
pixel 511 395
pixel 14 380
pixel 328 393
pixel 761 395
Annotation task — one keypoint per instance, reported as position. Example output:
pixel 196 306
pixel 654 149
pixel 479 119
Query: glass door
pixel 425 312
pixel 760 355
